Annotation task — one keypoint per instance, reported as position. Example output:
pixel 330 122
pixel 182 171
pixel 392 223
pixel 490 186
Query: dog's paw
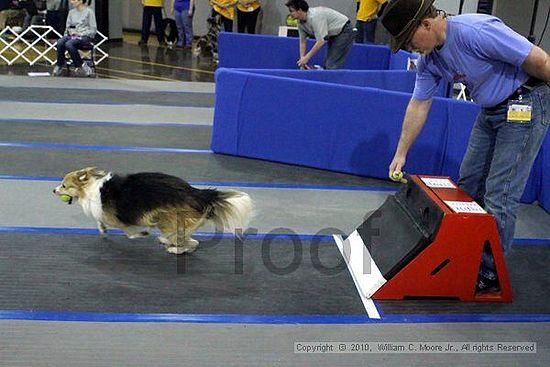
pixel 189 246
pixel 164 241
pixel 102 228
pixel 137 235
pixel 192 243
pixel 176 250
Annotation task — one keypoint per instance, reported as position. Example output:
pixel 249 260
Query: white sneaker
pixel 57 70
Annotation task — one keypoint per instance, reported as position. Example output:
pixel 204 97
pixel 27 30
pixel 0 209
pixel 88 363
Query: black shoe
pixel 485 285
pixel 163 43
pixel 142 43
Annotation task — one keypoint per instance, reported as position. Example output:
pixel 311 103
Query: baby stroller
pixel 207 45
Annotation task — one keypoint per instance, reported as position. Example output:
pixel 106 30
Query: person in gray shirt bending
pixel 327 26
pixel 79 33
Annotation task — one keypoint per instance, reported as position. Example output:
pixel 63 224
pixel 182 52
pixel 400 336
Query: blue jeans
pixel 338 48
pixel 185 27
pixel 365 31
pixel 499 158
pixel 72 45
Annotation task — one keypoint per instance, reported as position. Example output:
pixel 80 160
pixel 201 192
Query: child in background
pixel 80 32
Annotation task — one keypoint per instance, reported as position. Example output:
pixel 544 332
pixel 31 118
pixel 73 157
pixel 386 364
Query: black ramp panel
pixel 85 273
pixel 422 209
pixel 390 235
pixel 401 228
pixel 530 276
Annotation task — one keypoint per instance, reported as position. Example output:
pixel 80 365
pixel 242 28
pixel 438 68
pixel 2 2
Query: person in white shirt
pixel 79 33
pixel 328 27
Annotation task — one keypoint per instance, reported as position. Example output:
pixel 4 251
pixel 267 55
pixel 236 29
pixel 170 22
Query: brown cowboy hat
pixel 401 18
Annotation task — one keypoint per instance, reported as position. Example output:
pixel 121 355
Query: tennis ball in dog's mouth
pixel 397 175
pixel 65 198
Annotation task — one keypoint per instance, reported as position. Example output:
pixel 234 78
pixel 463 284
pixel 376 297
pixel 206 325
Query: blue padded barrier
pixel 227 109
pixel 400 81
pixel 533 187
pixel 367 57
pixel 344 128
pixel 350 129
pixel 396 80
pixel 400 60
pixel 461 119
pixel 239 50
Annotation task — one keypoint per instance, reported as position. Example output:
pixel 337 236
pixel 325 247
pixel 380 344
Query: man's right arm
pixel 415 118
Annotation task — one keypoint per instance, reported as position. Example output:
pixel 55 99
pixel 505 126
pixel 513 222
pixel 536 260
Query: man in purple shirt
pixel 500 68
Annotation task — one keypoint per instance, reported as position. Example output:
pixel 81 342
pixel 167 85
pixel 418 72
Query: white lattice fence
pixel 34 43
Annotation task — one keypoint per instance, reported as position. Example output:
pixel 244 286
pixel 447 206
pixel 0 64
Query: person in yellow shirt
pixel 366 20
pixel 247 15
pixel 152 9
pixel 226 10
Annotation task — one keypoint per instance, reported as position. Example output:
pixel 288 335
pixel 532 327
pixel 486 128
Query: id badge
pixel 519 110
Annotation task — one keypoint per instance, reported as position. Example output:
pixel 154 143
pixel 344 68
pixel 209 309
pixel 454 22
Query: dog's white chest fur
pixel 91 204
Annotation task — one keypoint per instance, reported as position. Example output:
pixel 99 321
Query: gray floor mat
pixel 178 136
pixel 84 84
pixel 132 114
pixel 67 95
pixel 192 167
pixel 87 273
pixel 62 272
pixel 31 203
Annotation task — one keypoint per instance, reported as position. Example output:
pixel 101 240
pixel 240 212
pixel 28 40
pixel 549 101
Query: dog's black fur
pixel 132 195
pixel 170 30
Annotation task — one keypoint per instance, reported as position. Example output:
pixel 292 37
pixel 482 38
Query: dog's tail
pixel 231 210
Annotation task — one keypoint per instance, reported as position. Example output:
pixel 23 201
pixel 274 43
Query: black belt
pixel 343 28
pixel 525 88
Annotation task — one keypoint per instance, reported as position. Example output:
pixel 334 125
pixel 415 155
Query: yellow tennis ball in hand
pixel 397 175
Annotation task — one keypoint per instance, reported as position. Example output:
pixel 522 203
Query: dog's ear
pixel 84 174
pixel 98 172
pixel 88 172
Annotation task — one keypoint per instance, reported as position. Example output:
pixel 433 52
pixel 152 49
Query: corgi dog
pixel 138 202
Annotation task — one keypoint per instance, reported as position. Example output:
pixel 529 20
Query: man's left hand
pixel 302 62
